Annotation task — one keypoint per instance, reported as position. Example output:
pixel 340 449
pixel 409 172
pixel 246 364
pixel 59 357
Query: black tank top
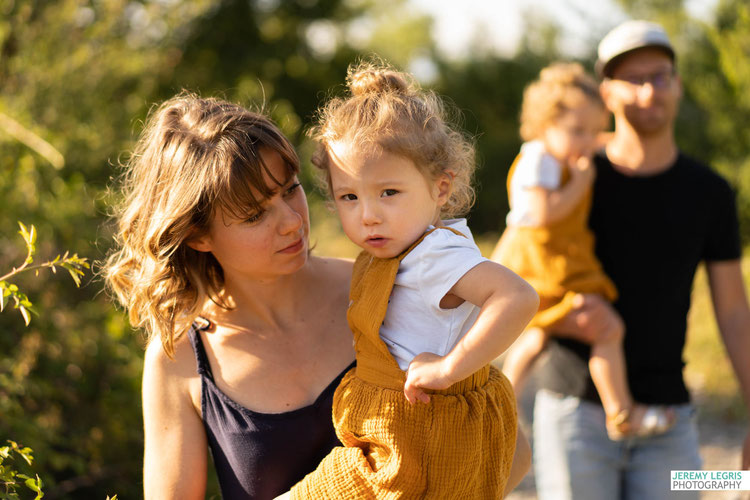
pixel 261 455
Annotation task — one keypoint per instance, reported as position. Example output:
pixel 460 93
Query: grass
pixel 708 374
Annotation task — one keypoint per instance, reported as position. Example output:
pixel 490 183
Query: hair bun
pixel 368 79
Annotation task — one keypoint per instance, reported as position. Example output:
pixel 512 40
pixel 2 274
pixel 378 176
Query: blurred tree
pixel 73 74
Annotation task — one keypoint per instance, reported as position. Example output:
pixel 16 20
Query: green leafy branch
pixel 74 264
pixel 9 476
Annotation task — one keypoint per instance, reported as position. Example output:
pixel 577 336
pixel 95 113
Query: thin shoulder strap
pixel 204 367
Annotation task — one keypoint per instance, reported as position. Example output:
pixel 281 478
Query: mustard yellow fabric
pixel 459 445
pixel 558 260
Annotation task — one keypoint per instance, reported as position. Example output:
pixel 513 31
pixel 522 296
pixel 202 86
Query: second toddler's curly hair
pixel 560 87
pixel 387 111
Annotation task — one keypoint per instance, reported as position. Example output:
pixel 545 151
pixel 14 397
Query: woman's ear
pixel 199 243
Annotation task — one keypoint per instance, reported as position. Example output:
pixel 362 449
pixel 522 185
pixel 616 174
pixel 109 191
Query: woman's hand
pixel 426 371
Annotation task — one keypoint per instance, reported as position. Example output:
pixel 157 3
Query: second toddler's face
pixel 573 134
pixel 384 202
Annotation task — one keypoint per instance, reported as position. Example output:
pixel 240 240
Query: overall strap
pixel 403 254
pixel 204 367
pixel 372 283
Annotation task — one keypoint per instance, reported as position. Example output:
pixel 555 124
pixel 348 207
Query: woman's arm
pixel 175 456
pixel 548 206
pixel 507 304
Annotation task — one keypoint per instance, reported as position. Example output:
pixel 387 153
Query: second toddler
pixel 548 243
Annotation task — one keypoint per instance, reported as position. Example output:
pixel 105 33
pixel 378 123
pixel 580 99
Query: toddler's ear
pixel 444 187
pixel 199 243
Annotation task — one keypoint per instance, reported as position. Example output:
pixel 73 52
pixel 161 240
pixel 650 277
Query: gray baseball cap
pixel 627 37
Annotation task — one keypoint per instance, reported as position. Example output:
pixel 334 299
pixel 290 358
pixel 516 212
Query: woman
pixel 213 262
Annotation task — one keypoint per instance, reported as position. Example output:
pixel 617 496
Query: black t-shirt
pixel 651 233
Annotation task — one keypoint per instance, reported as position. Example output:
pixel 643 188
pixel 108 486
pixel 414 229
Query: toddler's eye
pixel 390 192
pixel 348 197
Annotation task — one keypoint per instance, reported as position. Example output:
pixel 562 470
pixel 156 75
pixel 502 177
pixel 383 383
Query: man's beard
pixel 648 122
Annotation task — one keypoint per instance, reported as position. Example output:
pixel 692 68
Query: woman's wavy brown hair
pixel 387 111
pixel 560 88
pixel 195 156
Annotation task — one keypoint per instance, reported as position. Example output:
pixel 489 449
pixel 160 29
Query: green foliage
pixel 72 263
pixel 10 478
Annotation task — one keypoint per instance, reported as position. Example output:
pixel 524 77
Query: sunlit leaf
pixel 25 314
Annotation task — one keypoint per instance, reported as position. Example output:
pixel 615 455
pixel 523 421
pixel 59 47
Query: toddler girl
pixel 547 241
pixel 422 415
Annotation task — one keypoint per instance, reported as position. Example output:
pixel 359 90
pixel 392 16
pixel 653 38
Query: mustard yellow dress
pixel 460 445
pixel 558 260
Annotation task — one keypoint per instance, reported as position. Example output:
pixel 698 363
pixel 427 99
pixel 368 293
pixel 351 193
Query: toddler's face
pixel 573 134
pixel 384 202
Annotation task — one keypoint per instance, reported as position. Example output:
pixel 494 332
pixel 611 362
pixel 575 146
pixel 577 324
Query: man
pixel 656 215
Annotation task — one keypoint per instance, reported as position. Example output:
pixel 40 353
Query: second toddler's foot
pixel 640 421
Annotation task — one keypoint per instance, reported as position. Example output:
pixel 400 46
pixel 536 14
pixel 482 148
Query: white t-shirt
pixel 535 168
pixel 414 322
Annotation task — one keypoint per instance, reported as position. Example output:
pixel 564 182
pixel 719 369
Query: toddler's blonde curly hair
pixel 560 88
pixel 387 111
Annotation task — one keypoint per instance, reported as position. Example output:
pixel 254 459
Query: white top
pixel 535 168
pixel 414 322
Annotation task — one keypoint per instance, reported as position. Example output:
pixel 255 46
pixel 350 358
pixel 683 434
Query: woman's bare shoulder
pixel 180 365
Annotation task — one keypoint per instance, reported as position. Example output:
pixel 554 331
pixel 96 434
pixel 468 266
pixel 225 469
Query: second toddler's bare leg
pixel 607 366
pixel 521 356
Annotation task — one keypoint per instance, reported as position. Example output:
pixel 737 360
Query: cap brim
pixel 604 68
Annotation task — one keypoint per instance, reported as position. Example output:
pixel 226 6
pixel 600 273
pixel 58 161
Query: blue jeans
pixel 574 459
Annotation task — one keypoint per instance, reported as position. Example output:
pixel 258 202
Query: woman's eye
pixel 348 197
pixel 390 192
pixel 292 188
pixel 254 218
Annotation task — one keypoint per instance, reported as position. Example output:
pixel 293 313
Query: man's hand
pixel 592 320
pixel 426 371
pixel 746 453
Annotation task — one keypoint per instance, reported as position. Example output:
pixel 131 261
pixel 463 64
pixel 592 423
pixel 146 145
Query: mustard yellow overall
pixel 558 260
pixel 459 445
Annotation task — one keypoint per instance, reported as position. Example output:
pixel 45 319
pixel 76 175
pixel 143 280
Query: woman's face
pixel 272 242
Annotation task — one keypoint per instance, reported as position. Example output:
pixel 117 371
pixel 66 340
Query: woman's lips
pixel 294 247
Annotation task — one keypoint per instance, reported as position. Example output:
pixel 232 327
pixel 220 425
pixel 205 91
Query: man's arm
pixel 733 317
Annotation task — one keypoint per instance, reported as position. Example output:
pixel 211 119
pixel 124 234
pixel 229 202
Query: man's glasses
pixel 659 80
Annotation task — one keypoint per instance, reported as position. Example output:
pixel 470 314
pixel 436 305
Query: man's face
pixel 645 90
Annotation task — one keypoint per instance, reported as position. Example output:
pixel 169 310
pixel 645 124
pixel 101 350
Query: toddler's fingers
pixel 410 392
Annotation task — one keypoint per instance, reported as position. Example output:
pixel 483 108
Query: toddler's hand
pixel 426 371
pixel 582 167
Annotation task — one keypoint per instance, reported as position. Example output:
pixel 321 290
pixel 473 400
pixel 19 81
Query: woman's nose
pixel 291 218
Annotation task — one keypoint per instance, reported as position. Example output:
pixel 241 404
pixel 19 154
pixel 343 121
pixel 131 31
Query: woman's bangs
pixel 246 190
